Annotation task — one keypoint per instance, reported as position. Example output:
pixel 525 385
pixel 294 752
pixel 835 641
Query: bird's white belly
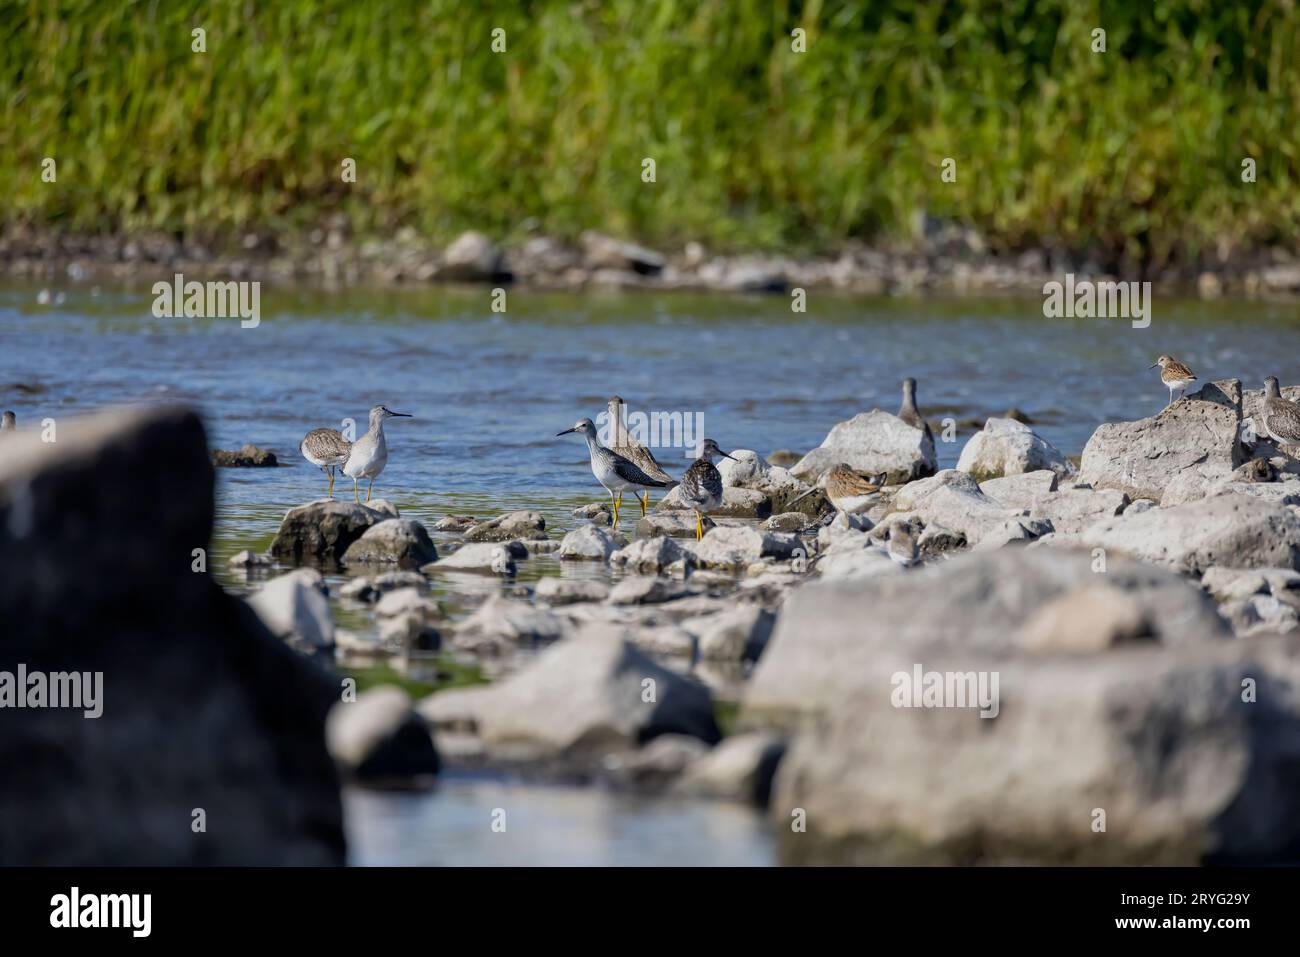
pixel 1179 384
pixel 855 504
pixel 609 478
pixel 366 463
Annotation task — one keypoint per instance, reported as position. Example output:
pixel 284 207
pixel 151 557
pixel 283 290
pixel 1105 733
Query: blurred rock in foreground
pixel 210 748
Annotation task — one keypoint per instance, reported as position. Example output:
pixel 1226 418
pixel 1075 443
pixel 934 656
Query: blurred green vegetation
pixel 1134 154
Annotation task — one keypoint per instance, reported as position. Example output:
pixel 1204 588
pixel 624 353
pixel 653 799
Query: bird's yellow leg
pixel 699 525
pixel 331 491
pixel 645 502
pixel 370 488
pixel 356 492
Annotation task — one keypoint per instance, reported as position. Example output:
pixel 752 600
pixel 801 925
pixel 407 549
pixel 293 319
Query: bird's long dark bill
pixel 726 456
pixel 1153 365
pixel 403 415
pixel 803 495
pixel 565 432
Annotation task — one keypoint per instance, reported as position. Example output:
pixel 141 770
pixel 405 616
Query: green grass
pixel 1131 155
pixel 451 674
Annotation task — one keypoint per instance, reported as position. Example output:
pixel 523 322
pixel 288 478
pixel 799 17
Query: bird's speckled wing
pixel 644 459
pixel 629 471
pixel 325 443
pixel 1282 419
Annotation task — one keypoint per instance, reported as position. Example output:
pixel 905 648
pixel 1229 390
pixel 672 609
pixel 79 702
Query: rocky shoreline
pixel 1139 611
pixel 939 258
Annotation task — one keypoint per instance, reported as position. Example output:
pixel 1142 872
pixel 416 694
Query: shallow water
pixel 488 393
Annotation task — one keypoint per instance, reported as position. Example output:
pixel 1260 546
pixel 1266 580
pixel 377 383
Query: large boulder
pixel 739 546
pixel 1237 531
pixel 1008 447
pixel 582 699
pixel 501 625
pixel 1022 490
pixel 954 500
pixel 1139 755
pixel 394 541
pixel 983 603
pixel 321 531
pixel 1193 442
pixel 1074 509
pixel 200 707
pixel 648 554
pixel 485 557
pixel 870 443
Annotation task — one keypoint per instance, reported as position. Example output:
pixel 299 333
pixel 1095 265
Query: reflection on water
pixel 544 825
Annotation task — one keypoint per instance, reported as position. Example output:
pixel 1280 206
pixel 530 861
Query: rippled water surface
pixel 489 391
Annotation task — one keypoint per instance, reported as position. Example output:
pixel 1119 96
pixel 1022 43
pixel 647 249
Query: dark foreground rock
pixel 205 715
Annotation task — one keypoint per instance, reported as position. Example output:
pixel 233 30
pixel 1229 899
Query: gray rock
pixel 590 543
pixel 471 258
pixel 1157 737
pixel 250 456
pixel 321 531
pixel 523 524
pixel 739 546
pixel 605 252
pixel 483 557
pixel 501 625
pixel 646 590
pixel 953 499
pixel 568 591
pixel 648 554
pixel 294 607
pixel 739 768
pixel 872 442
pixel 1233 530
pixel 1021 491
pixel 745 468
pixel 1194 441
pixel 397 541
pixel 198 698
pixel 1072 510
pixel 1260 615
pixel 738 634
pixel 786 522
pixel 378 739
pixel 583 698
pixel 1007 447
pixel 1225 584
pixel 978 603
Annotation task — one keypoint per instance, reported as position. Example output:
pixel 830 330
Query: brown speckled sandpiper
pixel 1175 375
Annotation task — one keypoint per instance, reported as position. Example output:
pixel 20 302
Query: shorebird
pixel 847 490
pixel 701 485
pixel 902 544
pixel 1279 419
pixel 1175 375
pixel 612 470
pixel 625 445
pixel 326 449
pixel 369 453
pixel 9 423
pixel 908 411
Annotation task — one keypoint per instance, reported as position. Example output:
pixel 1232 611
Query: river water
pixel 488 391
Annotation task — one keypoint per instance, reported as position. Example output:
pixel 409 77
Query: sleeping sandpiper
pixel 701 487
pixel 369 454
pixel 1175 375
pixel 326 449
pixel 624 444
pixel 612 470
pixel 1279 419
pixel 848 491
